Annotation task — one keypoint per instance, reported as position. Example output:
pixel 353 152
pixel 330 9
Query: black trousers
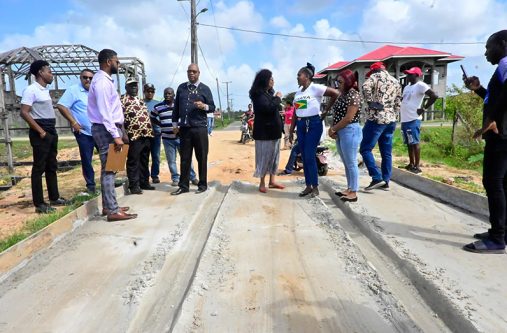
pixel 495 182
pixel 194 139
pixel 44 162
pixel 137 163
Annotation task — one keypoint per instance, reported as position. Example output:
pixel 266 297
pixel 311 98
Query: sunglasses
pixel 87 77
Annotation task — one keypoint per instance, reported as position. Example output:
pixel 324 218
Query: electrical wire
pixel 181 60
pixel 216 29
pixel 207 66
pixel 337 39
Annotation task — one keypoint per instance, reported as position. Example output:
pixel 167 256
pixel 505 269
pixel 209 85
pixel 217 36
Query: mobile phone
pixel 464 72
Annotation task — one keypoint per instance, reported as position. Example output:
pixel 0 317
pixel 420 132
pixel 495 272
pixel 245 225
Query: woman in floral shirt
pixel 347 131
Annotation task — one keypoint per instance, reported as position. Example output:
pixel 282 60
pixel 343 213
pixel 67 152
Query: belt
pixel 119 125
pixel 307 118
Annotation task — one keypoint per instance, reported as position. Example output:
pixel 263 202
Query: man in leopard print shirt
pixel 382 94
pixel 139 131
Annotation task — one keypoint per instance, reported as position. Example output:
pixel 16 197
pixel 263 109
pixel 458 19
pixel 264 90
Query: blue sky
pixel 156 31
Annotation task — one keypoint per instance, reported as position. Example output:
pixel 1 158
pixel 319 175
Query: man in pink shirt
pixel 106 115
pixel 287 116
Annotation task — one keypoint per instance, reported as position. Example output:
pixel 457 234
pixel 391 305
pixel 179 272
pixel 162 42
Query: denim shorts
pixel 411 132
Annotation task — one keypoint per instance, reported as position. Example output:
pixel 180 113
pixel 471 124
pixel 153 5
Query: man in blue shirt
pixel 150 102
pixel 75 99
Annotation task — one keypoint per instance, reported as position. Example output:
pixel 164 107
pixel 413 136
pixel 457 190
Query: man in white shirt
pixel 411 114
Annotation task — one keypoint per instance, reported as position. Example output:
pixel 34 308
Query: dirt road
pixel 235 260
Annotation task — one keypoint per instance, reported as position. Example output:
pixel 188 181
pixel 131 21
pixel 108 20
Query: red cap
pixel 414 70
pixel 374 67
pixel 377 65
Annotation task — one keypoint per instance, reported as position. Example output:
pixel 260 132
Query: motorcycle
pixel 246 130
pixel 321 157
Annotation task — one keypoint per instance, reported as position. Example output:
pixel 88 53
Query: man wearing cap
pixel 382 93
pixel 37 110
pixel 150 102
pixel 75 99
pixel 193 101
pixel 106 115
pixel 139 131
pixel 411 114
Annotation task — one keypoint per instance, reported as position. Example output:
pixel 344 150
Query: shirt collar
pixel 105 74
pixel 502 69
pixel 38 85
pixel 195 84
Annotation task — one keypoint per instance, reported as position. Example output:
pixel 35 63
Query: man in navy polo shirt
pixel 75 99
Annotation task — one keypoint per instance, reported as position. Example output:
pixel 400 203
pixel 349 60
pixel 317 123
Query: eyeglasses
pixel 87 77
pixel 191 71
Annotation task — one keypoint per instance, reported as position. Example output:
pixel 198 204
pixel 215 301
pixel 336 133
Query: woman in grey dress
pixel 267 129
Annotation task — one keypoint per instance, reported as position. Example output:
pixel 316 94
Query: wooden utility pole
pixel 228 104
pixel 193 33
pixel 220 103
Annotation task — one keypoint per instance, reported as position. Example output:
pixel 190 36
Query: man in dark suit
pixel 193 101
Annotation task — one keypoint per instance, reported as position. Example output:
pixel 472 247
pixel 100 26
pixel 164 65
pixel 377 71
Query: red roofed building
pixel 397 59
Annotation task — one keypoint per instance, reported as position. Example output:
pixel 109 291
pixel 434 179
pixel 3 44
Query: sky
pixel 157 31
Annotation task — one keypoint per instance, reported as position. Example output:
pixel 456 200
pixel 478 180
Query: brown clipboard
pixel 116 160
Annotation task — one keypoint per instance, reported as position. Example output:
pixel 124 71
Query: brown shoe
pixel 123 209
pixel 120 216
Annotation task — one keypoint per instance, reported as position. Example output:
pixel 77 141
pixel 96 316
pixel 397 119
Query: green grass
pixel 226 122
pixel 39 223
pixel 436 147
pixel 21 149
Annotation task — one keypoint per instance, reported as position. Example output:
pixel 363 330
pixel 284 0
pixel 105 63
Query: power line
pixel 181 59
pixel 216 29
pixel 338 39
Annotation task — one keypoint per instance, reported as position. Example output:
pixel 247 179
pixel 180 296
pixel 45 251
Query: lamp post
pixel 193 30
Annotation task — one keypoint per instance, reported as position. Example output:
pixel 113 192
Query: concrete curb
pixel 15 257
pixel 429 291
pixel 469 201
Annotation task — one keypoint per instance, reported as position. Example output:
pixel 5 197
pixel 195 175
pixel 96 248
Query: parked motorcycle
pixel 321 158
pixel 246 130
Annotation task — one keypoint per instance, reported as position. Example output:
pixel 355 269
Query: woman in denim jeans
pixel 347 131
pixel 307 102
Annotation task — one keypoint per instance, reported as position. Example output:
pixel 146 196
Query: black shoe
pixel 179 191
pixel 385 187
pixel 200 190
pixel 195 182
pixel 374 184
pixel 485 235
pixel 136 190
pixel 155 180
pixel 415 170
pixel 346 199
pixel 59 202
pixel 44 209
pixel 148 187
pixel 305 192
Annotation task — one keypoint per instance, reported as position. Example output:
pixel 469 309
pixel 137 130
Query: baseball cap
pixel 149 86
pixel 131 80
pixel 374 67
pixel 414 70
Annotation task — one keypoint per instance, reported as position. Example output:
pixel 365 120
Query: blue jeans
pixel 155 155
pixel 383 134
pixel 211 122
pixel 309 130
pixel 347 144
pixel 292 158
pixel 86 145
pixel 172 148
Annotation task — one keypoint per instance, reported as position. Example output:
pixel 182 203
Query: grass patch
pixel 22 149
pixel 39 223
pixel 436 147
pixel 221 125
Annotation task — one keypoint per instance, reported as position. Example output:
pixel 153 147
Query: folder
pixel 116 160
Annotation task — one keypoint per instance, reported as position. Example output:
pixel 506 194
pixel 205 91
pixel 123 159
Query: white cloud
pixel 279 22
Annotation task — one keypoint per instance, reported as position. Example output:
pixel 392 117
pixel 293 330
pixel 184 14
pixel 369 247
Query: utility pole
pixel 220 103
pixel 193 30
pixel 227 92
pixel 193 33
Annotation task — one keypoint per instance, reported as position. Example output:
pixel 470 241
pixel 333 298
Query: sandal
pixel 485 246
pixel 263 189
pixel 277 186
